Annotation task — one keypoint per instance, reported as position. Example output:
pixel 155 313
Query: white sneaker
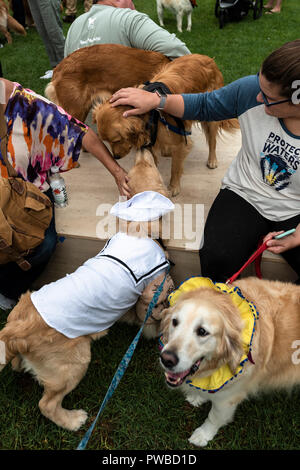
pixel 6 303
pixel 47 75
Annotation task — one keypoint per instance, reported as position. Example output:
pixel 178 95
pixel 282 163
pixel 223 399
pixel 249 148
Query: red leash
pixel 255 257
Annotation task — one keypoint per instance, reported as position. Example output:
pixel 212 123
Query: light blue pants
pixel 46 15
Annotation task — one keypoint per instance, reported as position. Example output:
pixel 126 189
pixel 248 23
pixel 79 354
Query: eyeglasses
pixel 268 104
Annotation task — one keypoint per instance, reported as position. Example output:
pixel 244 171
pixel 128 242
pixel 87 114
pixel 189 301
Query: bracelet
pixel 162 102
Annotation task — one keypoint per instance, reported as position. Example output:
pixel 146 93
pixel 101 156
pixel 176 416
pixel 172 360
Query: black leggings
pixel 232 232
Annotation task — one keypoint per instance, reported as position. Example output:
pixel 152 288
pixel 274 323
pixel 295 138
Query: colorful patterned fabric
pixel 40 135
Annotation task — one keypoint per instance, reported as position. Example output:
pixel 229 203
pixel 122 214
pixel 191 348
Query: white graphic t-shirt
pixel 266 171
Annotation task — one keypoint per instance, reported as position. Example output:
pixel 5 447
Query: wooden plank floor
pixel 83 224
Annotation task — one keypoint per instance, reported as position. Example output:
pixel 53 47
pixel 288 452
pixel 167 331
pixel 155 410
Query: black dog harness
pixel 156 116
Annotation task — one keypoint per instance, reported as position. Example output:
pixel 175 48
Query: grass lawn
pixel 143 414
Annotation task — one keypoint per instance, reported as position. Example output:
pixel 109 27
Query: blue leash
pixel 123 365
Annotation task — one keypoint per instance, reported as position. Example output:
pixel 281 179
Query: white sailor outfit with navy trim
pixel 103 289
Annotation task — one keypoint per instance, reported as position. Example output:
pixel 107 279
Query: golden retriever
pixel 94 72
pixel 7 22
pixel 203 328
pixel 188 74
pixel 56 361
pixel 180 7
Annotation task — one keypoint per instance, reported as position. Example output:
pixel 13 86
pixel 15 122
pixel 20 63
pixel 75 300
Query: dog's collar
pixel 249 315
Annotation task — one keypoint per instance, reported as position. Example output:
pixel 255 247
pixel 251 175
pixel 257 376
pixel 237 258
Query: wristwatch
pixel 162 102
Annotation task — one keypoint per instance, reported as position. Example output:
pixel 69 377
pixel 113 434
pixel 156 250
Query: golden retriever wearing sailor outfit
pixel 42 334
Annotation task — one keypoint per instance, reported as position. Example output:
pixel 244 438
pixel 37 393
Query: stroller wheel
pixel 257 9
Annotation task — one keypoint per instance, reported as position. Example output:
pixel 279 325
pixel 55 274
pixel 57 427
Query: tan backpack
pixel 25 212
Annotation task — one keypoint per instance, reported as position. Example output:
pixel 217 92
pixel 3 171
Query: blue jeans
pixel 13 280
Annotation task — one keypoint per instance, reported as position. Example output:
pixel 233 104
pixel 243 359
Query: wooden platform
pixel 92 191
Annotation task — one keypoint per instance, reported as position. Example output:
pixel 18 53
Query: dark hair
pixel 283 67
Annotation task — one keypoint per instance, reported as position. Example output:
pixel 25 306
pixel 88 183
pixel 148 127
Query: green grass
pixel 143 413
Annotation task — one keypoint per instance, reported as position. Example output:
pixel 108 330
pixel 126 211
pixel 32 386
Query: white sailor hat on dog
pixel 143 207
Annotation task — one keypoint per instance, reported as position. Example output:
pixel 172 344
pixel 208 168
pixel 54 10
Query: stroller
pixel 237 9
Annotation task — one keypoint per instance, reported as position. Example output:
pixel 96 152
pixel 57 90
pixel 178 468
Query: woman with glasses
pixel 260 192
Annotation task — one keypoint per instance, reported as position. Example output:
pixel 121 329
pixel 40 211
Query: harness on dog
pixel 249 315
pixel 156 116
pixel 193 3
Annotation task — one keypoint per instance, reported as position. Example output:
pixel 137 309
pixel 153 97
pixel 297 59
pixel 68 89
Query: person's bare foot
pixel 274 10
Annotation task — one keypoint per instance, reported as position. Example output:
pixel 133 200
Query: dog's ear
pixel 233 349
pixel 95 111
pixel 139 135
pixel 231 343
pixel 144 155
pixel 165 319
pixel 99 107
pixel 148 157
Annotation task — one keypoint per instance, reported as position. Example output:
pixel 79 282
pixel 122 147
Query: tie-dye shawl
pixel 40 135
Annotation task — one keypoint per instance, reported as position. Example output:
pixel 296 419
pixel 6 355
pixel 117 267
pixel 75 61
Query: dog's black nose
pixel 169 359
pixel 117 157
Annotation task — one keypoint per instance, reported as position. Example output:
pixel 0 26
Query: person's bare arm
pixel 96 147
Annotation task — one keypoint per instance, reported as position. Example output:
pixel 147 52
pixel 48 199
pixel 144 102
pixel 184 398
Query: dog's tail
pixel 50 93
pixel 15 26
pixel 229 125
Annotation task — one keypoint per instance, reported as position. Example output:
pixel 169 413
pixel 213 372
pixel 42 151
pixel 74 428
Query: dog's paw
pixel 199 437
pixel 174 190
pixel 195 400
pixel 212 165
pixel 77 419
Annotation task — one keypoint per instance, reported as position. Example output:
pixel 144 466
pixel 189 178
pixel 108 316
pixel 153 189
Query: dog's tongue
pixel 176 379
pixel 178 375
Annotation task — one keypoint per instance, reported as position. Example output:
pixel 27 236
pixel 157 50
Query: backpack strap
pixel 44 199
pixel 20 260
